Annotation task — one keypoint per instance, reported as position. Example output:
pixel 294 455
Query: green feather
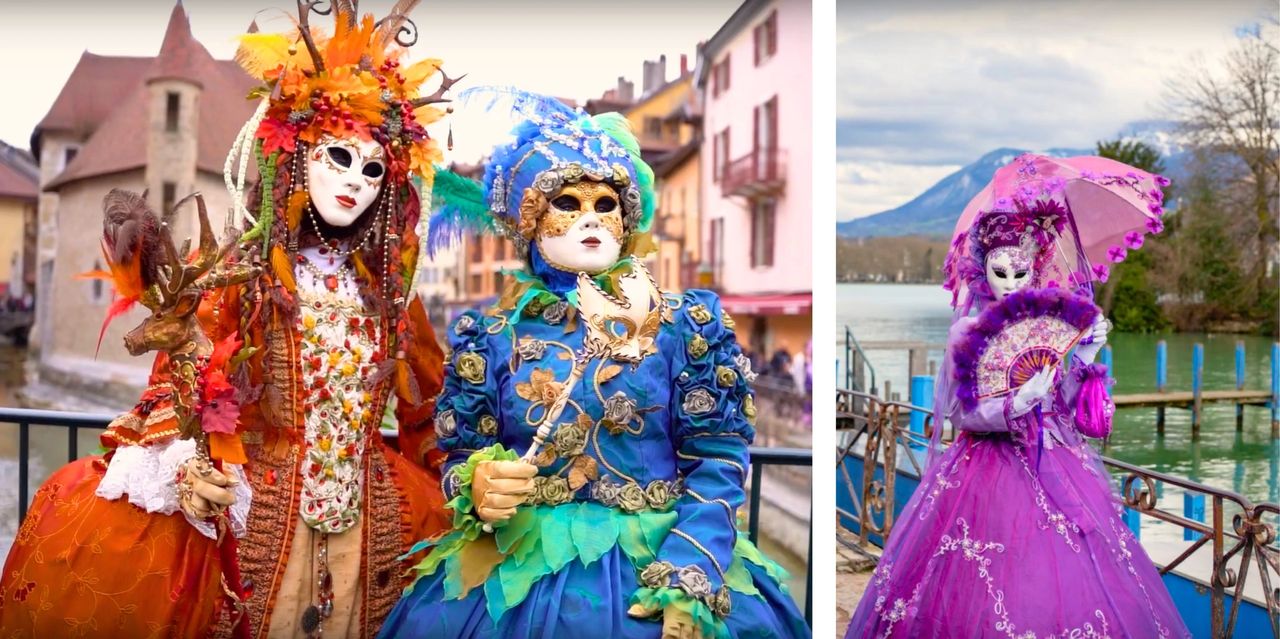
pixel 616 126
pixel 459 209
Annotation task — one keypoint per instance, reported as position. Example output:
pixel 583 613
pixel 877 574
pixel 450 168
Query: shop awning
pixel 779 304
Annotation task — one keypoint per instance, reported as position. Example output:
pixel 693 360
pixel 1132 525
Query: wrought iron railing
pixel 859 374
pixel 761 172
pixel 881 432
pixel 25 419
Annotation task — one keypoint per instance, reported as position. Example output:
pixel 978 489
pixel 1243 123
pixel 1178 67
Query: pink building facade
pixel 755 81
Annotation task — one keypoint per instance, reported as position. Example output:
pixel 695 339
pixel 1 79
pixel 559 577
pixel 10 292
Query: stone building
pixel 18 191
pixel 162 124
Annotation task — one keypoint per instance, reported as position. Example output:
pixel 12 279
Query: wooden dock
pixel 1185 399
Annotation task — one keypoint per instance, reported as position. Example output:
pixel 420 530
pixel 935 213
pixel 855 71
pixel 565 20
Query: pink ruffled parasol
pixel 1112 207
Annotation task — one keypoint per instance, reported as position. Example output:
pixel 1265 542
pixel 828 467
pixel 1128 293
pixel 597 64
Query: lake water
pixel 1246 462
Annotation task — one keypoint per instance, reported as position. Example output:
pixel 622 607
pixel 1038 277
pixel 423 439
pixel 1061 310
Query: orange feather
pixel 297 204
pixel 362 271
pixel 284 270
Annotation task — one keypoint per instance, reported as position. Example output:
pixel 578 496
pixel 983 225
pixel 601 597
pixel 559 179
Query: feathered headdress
pixel 351 83
pixel 552 145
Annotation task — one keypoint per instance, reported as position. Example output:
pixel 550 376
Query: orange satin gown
pixel 83 566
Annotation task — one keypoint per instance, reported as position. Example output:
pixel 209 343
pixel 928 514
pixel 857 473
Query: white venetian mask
pixel 582 229
pixel 344 177
pixel 1009 268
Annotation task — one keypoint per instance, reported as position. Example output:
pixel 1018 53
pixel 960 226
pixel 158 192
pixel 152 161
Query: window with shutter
pixel 765 38
pixel 771 30
pixel 715 158
pixel 762 232
pixel 758 44
pixel 770 218
pixel 719 154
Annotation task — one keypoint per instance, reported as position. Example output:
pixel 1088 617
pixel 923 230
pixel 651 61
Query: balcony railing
pixel 72 422
pixel 761 173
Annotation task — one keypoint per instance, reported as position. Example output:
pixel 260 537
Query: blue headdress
pixel 552 146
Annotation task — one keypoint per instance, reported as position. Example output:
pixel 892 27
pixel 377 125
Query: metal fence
pixel 72 422
pixel 879 431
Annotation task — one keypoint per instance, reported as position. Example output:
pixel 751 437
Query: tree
pixel 1129 297
pixel 1132 152
pixel 1230 117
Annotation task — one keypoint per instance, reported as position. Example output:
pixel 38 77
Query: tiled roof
pixel 18 174
pixel 107 100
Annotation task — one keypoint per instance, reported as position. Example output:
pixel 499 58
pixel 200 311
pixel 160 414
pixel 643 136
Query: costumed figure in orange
pixel 281 355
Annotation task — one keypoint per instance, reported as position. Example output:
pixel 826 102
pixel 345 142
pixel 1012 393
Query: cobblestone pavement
pixel 853 572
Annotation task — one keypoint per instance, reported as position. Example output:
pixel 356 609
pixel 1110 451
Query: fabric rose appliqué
pixel 697 346
pixel 531 349
pixel 542 387
pixel 619 412
pixel 699 313
pixel 698 401
pixel 552 491
pixel 470 366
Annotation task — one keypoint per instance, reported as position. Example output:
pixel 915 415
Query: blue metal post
pixel 1162 380
pixel 1275 390
pixel 1105 356
pixel 1239 364
pixel 1193 509
pixel 922 396
pixel 1273 476
pixel 1197 387
pixel 1133 519
pixel 1239 384
pixel 1162 365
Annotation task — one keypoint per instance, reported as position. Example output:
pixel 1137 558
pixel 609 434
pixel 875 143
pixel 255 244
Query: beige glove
pixel 204 490
pixel 497 487
pixel 676 623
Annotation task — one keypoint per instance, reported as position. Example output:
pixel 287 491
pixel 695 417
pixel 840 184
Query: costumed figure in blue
pixel 596 427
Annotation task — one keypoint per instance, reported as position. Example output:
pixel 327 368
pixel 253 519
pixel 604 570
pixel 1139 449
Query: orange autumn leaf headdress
pixel 350 83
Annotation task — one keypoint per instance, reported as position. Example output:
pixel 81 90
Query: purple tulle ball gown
pixel 1014 532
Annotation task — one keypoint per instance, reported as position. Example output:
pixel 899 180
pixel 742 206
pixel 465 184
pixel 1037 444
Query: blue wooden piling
pixel 1105 356
pixel 1275 390
pixel 1162 365
pixel 1273 473
pixel 1197 387
pixel 1133 519
pixel 1162 380
pixel 922 396
pixel 1239 384
pixel 1193 509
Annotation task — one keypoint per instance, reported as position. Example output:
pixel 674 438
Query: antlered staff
pixel 147 268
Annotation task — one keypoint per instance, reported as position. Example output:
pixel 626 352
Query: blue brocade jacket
pixel 669 433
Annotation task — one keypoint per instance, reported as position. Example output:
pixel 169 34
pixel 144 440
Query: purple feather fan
pixel 1016 337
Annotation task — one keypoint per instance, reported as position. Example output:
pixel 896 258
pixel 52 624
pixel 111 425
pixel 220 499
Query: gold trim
pixel 719 459
pixel 694 542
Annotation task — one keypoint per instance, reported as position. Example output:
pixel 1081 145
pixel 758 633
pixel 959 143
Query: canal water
pixel 1246 461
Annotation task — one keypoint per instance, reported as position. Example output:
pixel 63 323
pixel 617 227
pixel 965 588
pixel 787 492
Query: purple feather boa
pixel 1077 310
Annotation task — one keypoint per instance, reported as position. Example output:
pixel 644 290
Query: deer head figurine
pixel 147 268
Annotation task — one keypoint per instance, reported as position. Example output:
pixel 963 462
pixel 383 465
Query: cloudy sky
pixel 560 47
pixel 927 86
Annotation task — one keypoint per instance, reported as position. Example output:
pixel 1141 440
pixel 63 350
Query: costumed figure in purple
pixel 1014 530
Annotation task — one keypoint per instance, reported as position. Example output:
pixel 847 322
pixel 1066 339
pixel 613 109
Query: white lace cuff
pixel 148 476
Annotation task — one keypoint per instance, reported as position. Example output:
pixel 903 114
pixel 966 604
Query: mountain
pixel 934 212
